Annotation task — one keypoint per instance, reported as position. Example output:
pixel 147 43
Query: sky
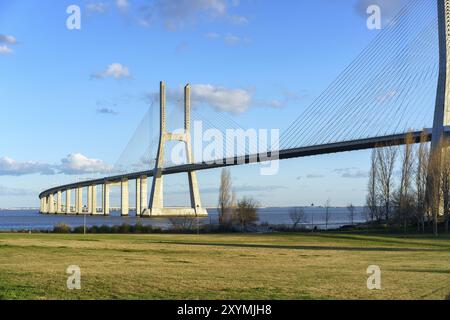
pixel 71 99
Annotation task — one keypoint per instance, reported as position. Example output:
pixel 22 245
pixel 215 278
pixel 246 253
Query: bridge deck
pixel 362 144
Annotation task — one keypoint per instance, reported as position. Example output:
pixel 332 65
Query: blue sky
pixel 71 99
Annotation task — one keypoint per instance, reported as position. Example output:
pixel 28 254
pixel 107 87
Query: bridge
pixel 396 86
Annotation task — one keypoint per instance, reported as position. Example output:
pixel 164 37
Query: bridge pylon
pixel 441 111
pixel 156 206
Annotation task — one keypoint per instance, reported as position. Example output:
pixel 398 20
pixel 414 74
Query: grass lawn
pixel 269 266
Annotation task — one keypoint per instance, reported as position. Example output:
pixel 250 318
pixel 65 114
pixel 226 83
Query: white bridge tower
pixel 156 205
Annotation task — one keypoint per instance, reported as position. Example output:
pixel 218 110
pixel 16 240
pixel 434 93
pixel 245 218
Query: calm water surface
pixel 31 219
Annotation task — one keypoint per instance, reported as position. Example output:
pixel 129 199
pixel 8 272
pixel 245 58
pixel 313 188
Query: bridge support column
pixel 51 201
pixel 47 204
pixel 105 197
pixel 138 197
pixel 143 199
pixel 79 201
pixel 124 197
pixel 68 201
pixel 59 202
pixel 93 200
pixel 89 199
pixel 43 209
pixel 156 206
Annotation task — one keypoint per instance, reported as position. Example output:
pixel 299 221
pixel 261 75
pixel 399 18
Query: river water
pixel 15 220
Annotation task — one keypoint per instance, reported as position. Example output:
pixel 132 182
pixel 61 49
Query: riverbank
pixel 236 266
pixel 19 220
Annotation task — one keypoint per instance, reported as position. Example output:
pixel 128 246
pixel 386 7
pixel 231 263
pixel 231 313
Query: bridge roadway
pixel 361 144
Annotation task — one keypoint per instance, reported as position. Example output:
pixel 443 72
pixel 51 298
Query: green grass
pixel 272 266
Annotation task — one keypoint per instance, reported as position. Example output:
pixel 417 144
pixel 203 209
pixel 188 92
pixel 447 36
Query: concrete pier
pixel 51 200
pixel 124 197
pixel 44 206
pixel 105 197
pixel 89 199
pixel 144 194
pixel 59 202
pixel 93 200
pixel 68 201
pixel 138 197
pixel 79 201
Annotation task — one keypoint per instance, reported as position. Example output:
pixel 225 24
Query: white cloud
pixel 122 4
pixel 238 20
pixel 212 35
pixel 314 176
pixel 14 192
pixel 221 99
pixel 11 167
pixel 7 39
pixel 114 70
pixel 5 50
pixel 99 7
pixel 229 39
pixel 72 164
pixel 234 40
pixel 177 13
pixel 351 173
pixel 107 111
pixel 80 164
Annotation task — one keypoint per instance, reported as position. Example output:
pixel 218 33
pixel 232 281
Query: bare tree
pixel 405 192
pixel 297 216
pixel 186 223
pixel 445 181
pixel 372 196
pixel 327 213
pixel 351 212
pixel 433 194
pixel 225 199
pixel 246 213
pixel 385 170
pixel 421 173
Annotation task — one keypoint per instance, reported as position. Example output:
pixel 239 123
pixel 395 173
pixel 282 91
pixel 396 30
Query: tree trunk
pixel 446 223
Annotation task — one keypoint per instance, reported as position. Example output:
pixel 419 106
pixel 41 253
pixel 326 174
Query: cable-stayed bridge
pixel 396 85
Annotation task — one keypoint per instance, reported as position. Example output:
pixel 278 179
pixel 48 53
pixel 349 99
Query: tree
pixel 297 216
pixel 385 170
pixel 225 199
pixel 372 196
pixel 421 174
pixel 180 224
pixel 433 194
pixel 445 181
pixel 351 212
pixel 327 213
pixel 246 213
pixel 405 192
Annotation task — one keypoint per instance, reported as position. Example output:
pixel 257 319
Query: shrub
pixel 104 229
pixel 79 229
pixel 61 228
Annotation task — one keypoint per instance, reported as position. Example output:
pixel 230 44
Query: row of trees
pixel 399 196
pixel 232 212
